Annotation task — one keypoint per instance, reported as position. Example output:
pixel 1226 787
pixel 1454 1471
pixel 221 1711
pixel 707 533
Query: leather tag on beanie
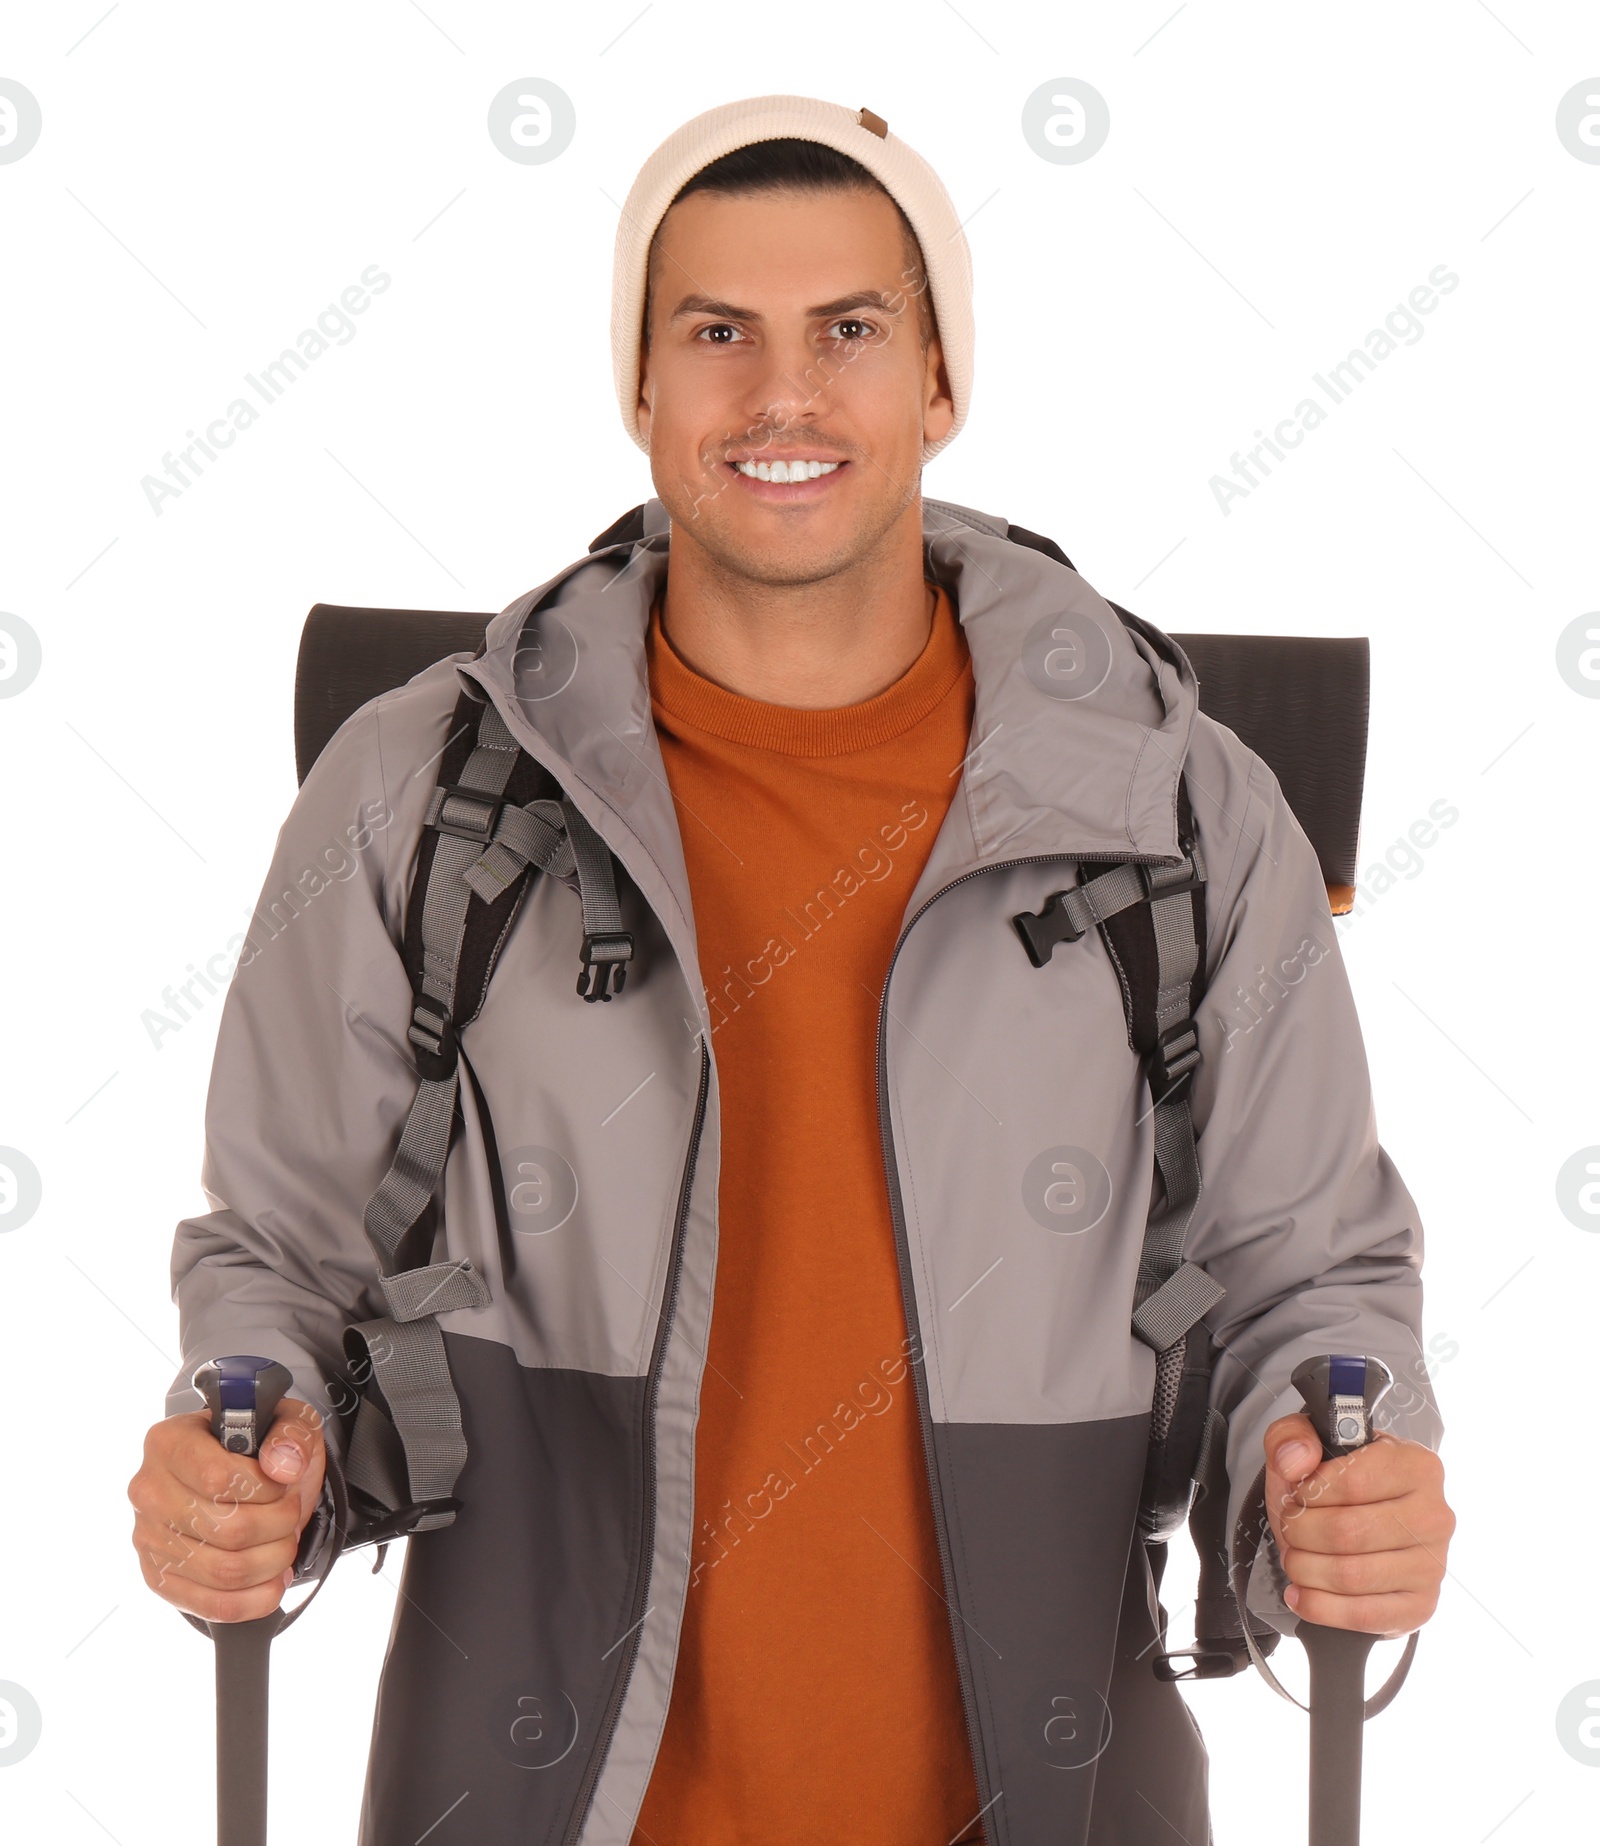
pixel 876 123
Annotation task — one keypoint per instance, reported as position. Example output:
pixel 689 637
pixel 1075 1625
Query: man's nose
pixel 795 386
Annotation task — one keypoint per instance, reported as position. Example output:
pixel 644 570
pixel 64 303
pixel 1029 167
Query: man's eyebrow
pixel 726 310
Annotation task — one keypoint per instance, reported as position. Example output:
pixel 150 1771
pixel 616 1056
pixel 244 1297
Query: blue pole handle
pixel 1342 1390
pixel 243 1392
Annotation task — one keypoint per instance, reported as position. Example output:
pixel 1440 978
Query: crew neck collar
pixel 689 698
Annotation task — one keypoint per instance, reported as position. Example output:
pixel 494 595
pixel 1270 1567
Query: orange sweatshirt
pixel 815 1695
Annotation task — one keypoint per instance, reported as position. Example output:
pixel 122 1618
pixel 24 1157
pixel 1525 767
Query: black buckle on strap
pixel 1042 931
pixel 468 813
pixel 393 1525
pixel 1174 1061
pixel 605 957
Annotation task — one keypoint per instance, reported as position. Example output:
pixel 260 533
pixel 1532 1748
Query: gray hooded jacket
pixel 532 1653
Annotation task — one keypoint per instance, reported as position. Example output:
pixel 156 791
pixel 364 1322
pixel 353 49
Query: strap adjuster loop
pixel 1174 1061
pixel 467 813
pixel 1193 879
pixel 435 1034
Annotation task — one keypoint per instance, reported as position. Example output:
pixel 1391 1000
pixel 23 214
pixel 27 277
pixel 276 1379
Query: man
pixel 804 1445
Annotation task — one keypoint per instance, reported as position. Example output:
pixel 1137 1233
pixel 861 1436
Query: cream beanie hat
pixel 908 178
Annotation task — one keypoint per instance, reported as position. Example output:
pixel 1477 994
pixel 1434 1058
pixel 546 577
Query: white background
pixel 1276 180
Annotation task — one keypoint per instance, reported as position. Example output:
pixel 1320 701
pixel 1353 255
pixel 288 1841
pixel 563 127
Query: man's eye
pixel 865 327
pixel 718 327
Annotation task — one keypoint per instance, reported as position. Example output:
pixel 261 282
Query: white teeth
pixel 785 471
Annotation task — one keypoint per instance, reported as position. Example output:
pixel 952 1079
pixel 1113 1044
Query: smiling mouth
pixel 786 478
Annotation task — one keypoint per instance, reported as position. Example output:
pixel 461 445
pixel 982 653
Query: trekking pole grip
pixel 1340 1392
pixel 243 1392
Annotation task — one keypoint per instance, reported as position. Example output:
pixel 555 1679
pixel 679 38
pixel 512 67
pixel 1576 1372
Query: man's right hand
pixel 217 1533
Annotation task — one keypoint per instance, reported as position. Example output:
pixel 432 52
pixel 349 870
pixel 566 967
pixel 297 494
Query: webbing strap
pixel 375 1457
pixel 1103 896
pixel 436 1288
pixel 410 1369
pixel 607 946
pixel 534 835
pixel 1109 893
pixel 444 911
pixel 1177 948
pixel 597 882
pixel 418 1166
pixel 1179 1163
pixel 1172 1294
pixel 1187 1295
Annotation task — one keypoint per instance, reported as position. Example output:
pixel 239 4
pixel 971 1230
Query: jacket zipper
pixel 639 1603
pixel 995 1831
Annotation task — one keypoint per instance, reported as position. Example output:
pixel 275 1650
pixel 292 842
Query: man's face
pixel 784 325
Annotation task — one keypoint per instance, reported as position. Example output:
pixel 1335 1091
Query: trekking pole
pixel 243 1392
pixel 1340 1391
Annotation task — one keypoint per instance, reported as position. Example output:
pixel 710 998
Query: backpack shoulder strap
pixel 1152 920
pixel 495 817
pixel 1158 947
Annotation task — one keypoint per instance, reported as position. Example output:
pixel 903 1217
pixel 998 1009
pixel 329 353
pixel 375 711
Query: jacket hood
pixel 1082 717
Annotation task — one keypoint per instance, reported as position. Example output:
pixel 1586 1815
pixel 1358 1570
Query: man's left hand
pixel 1362 1536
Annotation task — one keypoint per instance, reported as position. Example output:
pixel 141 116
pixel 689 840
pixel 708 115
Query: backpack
pixel 496 818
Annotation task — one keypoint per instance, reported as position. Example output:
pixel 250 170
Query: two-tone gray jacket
pixel 532 1653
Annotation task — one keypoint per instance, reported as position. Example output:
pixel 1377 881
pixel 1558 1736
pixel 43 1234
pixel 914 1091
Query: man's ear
pixel 938 403
pixel 646 393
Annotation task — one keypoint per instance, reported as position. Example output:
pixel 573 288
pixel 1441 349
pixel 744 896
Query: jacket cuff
pixel 325 1532
pixel 1267 1580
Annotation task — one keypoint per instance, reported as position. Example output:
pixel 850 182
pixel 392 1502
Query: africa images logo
pixel 1337 384
pixel 334 327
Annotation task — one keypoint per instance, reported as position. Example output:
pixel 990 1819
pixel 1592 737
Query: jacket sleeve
pixel 310 1085
pixel 1302 1216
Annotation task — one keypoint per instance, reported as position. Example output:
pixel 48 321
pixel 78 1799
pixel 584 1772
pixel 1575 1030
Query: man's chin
pixel 793 561
pixel 774 546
